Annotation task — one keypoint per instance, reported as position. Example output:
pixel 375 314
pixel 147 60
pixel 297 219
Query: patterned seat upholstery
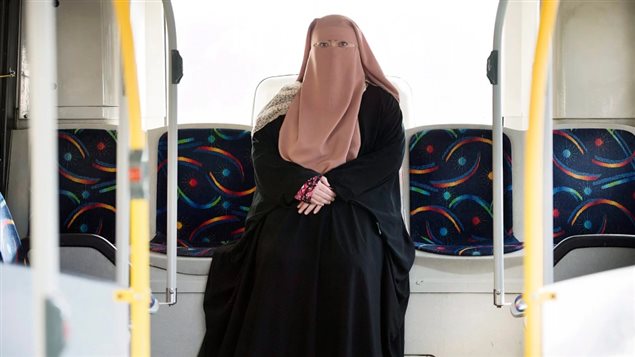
pixel 215 189
pixel 9 238
pixel 451 192
pixel 593 182
pixel 87 178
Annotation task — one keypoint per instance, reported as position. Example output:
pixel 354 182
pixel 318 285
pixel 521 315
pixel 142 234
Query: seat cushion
pixel 87 164
pixel 451 192
pixel 215 189
pixel 594 182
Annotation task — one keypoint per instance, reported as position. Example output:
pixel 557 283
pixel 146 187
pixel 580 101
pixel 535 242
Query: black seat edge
pixel 591 241
pixel 82 240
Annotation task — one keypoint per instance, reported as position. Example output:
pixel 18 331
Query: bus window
pixel 229 47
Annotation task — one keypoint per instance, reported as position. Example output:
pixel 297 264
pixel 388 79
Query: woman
pixel 322 269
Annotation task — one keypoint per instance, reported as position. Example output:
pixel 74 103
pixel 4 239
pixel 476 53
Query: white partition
pixel 88 61
pixel 461 325
pixel 594 60
pixel 593 315
pixel 95 324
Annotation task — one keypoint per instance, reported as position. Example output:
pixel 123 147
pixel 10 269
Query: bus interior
pixel 120 180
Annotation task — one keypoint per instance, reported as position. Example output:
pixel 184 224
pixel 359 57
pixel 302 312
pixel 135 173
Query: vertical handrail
pixel 495 75
pixel 533 177
pixel 172 164
pixel 548 177
pixel 41 48
pixel 123 196
pixel 139 293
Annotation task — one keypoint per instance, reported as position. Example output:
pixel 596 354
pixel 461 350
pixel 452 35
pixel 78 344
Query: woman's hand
pixel 322 195
pixel 306 208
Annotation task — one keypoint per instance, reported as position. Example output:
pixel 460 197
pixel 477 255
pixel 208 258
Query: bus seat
pixel 87 181
pixel 593 199
pixel 10 244
pixel 450 184
pixel 215 188
pixel 87 159
pixel 593 182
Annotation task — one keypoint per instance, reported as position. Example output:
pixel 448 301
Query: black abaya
pixel 328 284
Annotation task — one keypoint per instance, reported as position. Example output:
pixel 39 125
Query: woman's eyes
pixel 325 44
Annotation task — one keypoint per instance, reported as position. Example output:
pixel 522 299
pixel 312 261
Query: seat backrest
pixel 87 181
pixel 450 184
pixel 9 239
pixel 215 188
pixel 593 181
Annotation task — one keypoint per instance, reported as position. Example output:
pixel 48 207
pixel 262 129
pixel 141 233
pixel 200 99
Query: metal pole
pixel 123 196
pixel 41 48
pixel 170 290
pixel 495 75
pixel 548 177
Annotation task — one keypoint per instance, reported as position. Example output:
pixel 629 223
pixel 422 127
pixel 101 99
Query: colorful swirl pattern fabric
pixel 451 192
pixel 593 182
pixel 87 166
pixel 9 238
pixel 215 189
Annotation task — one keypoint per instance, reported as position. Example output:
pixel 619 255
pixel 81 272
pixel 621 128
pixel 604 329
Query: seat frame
pixel 591 241
pixel 82 240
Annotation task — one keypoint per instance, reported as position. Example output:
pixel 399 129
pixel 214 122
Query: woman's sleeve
pixel 276 178
pixel 375 167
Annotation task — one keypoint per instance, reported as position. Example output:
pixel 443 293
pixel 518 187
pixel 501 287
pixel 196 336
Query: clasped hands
pixel 322 195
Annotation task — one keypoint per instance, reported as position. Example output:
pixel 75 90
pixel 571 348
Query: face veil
pixel 320 130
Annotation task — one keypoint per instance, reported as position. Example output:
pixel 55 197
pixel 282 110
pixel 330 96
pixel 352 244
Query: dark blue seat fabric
pixel 215 189
pixel 594 182
pixel 9 238
pixel 451 192
pixel 87 178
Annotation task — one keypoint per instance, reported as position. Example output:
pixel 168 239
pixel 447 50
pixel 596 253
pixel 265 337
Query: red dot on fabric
pixel 556 213
pixel 101 146
pixel 599 142
pixel 476 220
pixel 429 149
pixel 193 182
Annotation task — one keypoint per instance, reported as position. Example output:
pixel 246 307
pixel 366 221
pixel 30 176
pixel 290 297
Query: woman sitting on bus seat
pixel 322 269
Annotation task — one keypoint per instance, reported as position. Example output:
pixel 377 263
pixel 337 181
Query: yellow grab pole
pixel 139 293
pixel 122 11
pixel 533 210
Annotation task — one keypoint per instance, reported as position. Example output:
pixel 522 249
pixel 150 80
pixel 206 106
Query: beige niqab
pixel 320 130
